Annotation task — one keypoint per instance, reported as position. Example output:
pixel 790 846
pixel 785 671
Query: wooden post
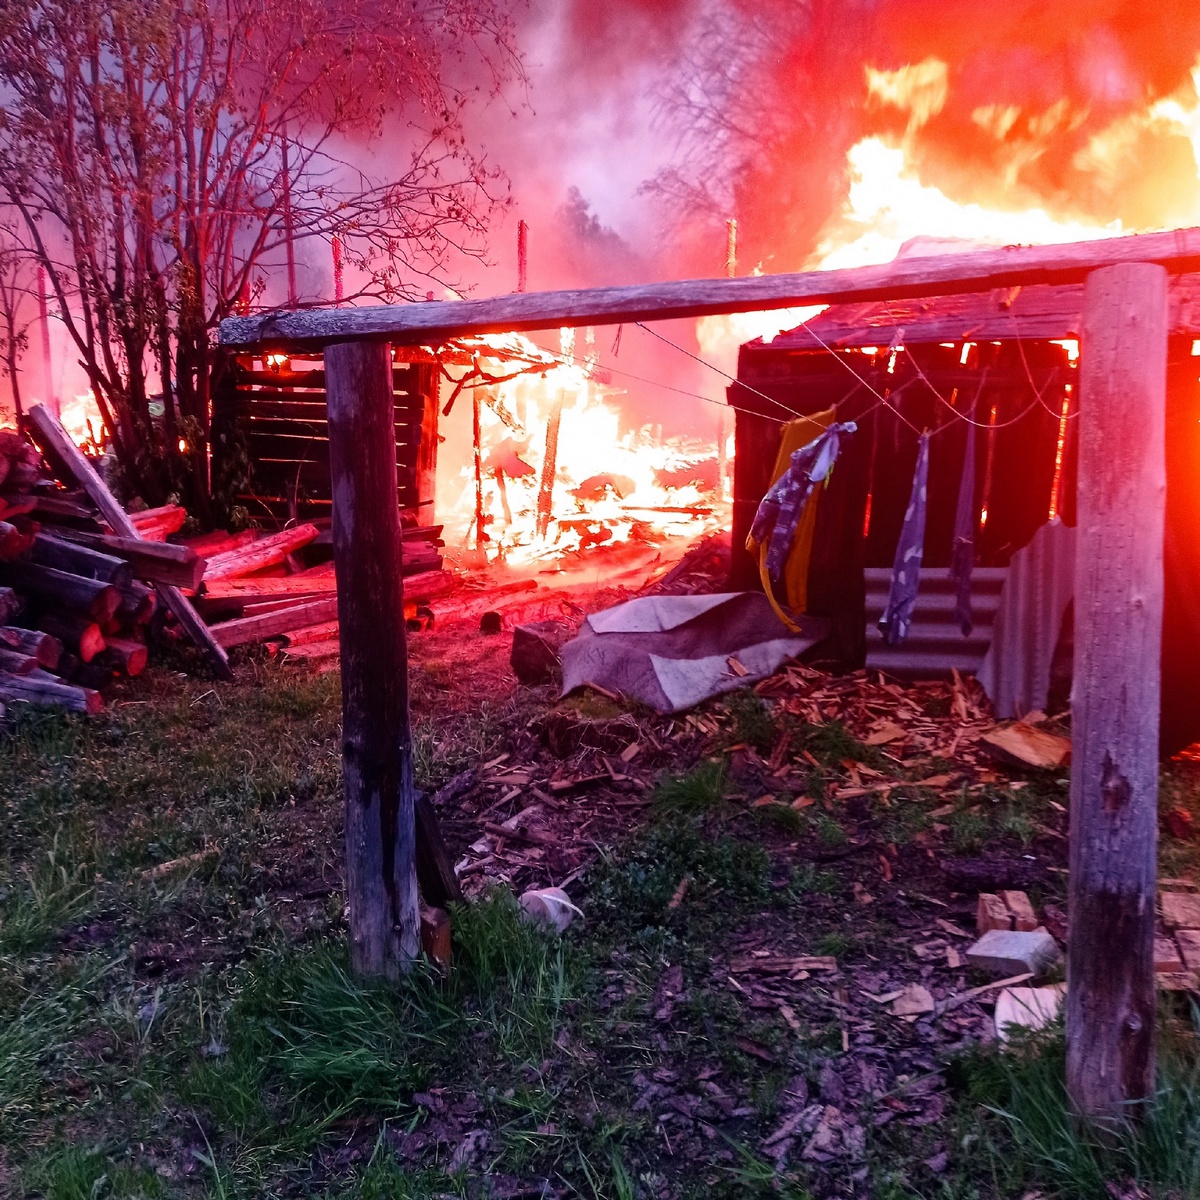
pixel 1118 632
pixel 381 881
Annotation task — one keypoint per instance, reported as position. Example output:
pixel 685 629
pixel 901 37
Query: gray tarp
pixel 671 652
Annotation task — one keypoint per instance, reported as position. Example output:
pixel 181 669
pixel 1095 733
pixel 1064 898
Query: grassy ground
pixel 176 1017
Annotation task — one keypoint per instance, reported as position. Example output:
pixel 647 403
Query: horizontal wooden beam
pixel 947 274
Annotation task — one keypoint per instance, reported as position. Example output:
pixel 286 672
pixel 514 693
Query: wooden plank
pixel 52 438
pixel 976 271
pixel 1110 1008
pixel 255 629
pixel 381 879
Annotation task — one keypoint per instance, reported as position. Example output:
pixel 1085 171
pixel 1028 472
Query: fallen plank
pixel 323 632
pixel 316 650
pixel 53 439
pixel 780 965
pixel 243 630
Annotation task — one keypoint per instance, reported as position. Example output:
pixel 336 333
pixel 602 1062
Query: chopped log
pixel 267 551
pixel 940 275
pixel 17 661
pixel 49 693
pixel 13 543
pixel 153 562
pixel 254 629
pixel 380 824
pixel 50 433
pixel 96 674
pixel 138 605
pixel 1111 1003
pixel 65 555
pixel 80 635
pixel 45 647
pixel 69 512
pixel 11 604
pixel 125 656
pixel 90 597
pixel 11 508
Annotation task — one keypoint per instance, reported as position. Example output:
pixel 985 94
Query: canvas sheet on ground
pixel 672 652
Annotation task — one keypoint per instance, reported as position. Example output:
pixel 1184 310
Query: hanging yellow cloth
pixel 795 573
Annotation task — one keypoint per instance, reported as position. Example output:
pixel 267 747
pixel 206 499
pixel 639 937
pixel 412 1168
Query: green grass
pixel 702 790
pixel 199 1035
pixel 1032 1139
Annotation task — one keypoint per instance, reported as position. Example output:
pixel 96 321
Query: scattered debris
pixel 550 906
pixel 1028 1008
pixel 1024 745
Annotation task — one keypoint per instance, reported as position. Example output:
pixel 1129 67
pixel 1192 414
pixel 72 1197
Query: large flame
pixel 558 470
pixel 889 210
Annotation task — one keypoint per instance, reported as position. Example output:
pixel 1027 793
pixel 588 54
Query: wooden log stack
pixel 76 597
pixel 82 581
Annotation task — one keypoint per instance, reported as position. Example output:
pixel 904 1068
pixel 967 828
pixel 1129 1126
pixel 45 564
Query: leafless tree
pixel 16 306
pixel 163 154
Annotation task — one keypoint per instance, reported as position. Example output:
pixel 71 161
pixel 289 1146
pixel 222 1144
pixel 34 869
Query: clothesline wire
pixel 1058 416
pixel 882 400
pixel 1037 395
pixel 713 367
pixel 575 360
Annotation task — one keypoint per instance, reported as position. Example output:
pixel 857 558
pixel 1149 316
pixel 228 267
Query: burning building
pixel 1003 365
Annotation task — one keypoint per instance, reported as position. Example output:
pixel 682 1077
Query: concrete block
pixel 1013 952
pixel 1167 960
pixel 1180 910
pixel 1189 948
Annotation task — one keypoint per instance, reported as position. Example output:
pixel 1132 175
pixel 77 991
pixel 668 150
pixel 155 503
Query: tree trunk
pixel 381 879
pixel 1118 632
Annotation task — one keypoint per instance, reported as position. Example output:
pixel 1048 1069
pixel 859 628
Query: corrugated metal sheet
pixel 935 643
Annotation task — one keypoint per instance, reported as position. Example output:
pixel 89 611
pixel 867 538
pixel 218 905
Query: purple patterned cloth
pixel 781 508
pixel 906 568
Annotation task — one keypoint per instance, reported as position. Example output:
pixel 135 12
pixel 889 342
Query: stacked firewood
pixel 82 580
pixel 76 599
pixel 280 588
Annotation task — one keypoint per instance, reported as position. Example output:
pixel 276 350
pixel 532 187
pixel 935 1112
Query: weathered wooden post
pixel 1115 704
pixel 381 881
